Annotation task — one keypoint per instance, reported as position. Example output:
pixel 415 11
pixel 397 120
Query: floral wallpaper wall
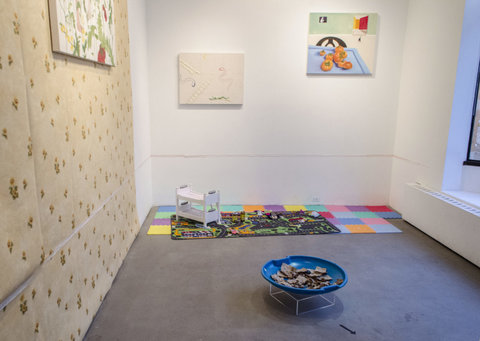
pixel 67 192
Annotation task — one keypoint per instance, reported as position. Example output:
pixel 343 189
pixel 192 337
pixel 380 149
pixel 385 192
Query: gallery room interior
pixel 360 157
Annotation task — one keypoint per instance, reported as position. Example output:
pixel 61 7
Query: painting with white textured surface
pixel 210 78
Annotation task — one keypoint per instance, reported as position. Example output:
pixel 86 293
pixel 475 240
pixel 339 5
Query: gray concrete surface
pixel 401 287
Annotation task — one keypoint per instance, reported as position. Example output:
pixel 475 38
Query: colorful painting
pixel 474 149
pixel 342 43
pixel 84 29
pixel 210 78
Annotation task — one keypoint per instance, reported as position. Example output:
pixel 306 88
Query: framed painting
pixel 84 29
pixel 341 43
pixel 473 154
pixel 210 78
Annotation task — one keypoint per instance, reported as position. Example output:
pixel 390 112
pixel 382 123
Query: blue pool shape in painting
pixel 315 61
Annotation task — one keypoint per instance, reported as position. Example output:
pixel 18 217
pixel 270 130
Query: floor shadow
pixel 266 305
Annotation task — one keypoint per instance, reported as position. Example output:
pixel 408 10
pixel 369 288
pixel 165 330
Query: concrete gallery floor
pixel 403 286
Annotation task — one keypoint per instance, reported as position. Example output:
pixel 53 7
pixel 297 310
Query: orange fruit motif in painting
pixel 335 59
pixel 339 56
pixel 327 65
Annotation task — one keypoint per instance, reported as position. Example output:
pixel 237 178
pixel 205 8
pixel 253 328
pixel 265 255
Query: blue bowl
pixel 333 270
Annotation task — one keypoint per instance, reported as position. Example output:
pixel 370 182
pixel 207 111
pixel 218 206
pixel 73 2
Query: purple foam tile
pixel 161 222
pixel 275 208
pixel 334 221
pixel 358 208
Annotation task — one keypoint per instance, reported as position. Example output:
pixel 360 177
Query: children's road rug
pixel 346 219
pixel 235 225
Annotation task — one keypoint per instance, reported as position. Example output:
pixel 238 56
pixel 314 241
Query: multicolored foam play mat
pixel 294 220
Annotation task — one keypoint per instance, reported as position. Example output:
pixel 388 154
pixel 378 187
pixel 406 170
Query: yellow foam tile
pixel 360 229
pixel 159 229
pixel 295 208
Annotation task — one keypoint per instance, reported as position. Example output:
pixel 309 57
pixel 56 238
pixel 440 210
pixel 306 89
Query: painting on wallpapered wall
pixel 83 29
pixel 210 78
pixel 341 43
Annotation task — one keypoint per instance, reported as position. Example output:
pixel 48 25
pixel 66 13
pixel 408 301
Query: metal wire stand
pixel 317 301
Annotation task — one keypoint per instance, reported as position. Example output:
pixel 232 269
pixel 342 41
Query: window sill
pixel 471 198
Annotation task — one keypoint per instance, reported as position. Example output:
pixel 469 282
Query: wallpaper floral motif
pixel 84 28
pixel 67 192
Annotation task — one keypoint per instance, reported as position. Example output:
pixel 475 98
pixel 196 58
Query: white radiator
pixel 451 222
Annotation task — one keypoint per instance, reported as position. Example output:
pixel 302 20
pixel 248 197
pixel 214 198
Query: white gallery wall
pixel 140 101
pixel 427 85
pixel 434 115
pixel 296 138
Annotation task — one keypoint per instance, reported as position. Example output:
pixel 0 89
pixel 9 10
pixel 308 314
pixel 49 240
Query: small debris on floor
pixel 351 331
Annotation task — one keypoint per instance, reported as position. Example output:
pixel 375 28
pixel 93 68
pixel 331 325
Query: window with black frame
pixel 473 156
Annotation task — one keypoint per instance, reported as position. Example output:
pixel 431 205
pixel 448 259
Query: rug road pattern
pixel 332 219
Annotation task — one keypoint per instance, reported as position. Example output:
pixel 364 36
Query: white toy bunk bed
pixel 184 208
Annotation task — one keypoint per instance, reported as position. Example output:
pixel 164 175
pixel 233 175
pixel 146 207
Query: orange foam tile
pixel 360 229
pixel 253 208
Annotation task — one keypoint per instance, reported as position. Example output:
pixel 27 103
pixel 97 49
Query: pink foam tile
pixel 337 208
pixel 379 208
pixel 375 221
pixel 326 215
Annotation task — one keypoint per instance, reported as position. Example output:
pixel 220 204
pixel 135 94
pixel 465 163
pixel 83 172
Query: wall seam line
pixel 192 156
pixel 16 292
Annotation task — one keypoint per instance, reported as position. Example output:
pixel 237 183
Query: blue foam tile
pixel 385 228
pixel 350 221
pixel 344 214
pixel 166 209
pixel 389 215
pixel 343 229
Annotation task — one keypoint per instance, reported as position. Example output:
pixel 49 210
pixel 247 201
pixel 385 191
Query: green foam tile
pixel 231 208
pixel 318 208
pixel 365 214
pixel 163 215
